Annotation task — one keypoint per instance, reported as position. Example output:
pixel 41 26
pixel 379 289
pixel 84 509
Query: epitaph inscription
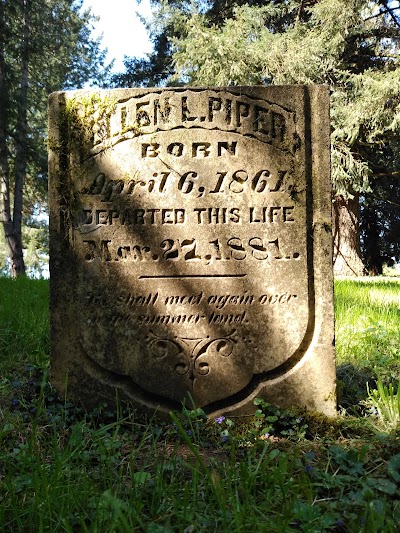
pixel 190 246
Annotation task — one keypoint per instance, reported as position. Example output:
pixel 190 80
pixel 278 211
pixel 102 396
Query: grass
pixel 367 336
pixel 24 323
pixel 62 469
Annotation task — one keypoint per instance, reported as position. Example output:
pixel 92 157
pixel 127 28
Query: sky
pixel 123 33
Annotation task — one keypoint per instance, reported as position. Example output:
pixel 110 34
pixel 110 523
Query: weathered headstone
pixel 191 247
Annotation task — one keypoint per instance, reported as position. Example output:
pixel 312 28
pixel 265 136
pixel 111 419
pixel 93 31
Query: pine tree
pixel 353 45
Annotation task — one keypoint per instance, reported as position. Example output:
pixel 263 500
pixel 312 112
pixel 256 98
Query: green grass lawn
pixel 65 470
pixel 367 317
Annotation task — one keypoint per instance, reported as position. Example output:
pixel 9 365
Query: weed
pixel 384 402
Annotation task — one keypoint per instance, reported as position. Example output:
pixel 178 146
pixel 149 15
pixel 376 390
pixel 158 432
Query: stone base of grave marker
pixel 191 247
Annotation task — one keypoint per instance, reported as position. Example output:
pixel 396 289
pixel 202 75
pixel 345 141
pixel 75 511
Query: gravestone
pixel 190 247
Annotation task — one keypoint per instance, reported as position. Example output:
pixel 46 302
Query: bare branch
pixel 300 11
pixel 389 10
pixel 393 174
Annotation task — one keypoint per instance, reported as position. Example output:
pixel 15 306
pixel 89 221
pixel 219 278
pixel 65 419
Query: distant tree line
pixel 45 45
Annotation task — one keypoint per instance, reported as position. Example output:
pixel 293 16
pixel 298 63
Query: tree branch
pixel 390 10
pixel 300 11
pixel 386 200
pixel 387 10
pixel 393 174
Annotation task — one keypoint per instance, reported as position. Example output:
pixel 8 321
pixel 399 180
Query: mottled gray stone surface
pixel 191 247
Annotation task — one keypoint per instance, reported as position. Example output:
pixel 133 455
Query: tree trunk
pixel 347 253
pixel 13 223
pixel 21 134
pixel 5 209
pixel 373 259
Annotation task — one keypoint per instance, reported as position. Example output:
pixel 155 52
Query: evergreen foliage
pixel 352 45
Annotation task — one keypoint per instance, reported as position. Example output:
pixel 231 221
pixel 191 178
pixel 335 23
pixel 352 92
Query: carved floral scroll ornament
pixel 192 355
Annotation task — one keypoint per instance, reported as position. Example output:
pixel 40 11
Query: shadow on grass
pixel 352 386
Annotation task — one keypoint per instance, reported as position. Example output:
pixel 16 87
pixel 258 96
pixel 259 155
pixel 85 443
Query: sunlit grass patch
pixel 367 335
pixel 380 296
